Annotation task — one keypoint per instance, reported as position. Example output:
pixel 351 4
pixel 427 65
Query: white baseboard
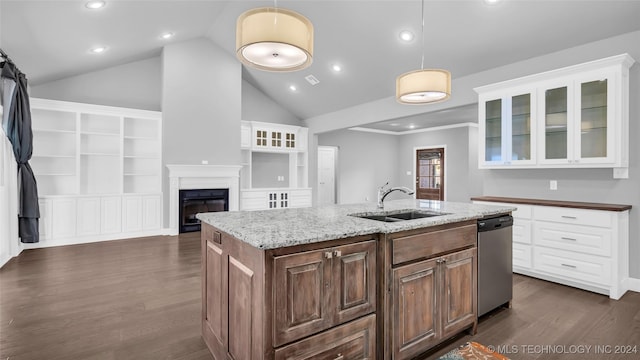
pixel 633 284
pixel 91 239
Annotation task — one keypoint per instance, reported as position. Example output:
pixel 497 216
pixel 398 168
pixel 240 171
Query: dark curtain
pixel 16 122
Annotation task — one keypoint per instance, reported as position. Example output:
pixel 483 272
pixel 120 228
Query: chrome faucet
pixel 383 192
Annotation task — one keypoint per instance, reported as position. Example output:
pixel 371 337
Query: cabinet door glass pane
pixel 593 119
pixel 555 123
pixel 493 131
pixel 521 127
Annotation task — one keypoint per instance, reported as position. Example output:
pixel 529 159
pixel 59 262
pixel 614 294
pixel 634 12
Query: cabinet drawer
pixel 581 267
pixel 521 231
pixel 521 256
pixel 573 216
pixel 353 341
pixel 426 245
pixel 584 239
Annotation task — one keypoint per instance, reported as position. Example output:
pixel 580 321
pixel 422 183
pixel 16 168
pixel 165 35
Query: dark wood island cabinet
pixel 381 295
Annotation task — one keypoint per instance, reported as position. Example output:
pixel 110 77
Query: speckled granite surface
pixel 271 229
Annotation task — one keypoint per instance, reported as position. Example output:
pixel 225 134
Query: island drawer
pixel 355 340
pixel 427 244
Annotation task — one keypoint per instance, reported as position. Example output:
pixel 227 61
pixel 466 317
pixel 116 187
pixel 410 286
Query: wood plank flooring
pixel 140 299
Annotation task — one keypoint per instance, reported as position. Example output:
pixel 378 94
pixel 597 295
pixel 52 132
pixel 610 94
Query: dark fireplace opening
pixel 196 201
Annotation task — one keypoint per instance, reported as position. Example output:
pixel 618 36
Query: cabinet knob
pixel 337 253
pixel 328 255
pixel 339 357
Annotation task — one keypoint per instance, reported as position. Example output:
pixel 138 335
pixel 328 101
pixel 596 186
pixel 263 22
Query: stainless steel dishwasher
pixel 495 259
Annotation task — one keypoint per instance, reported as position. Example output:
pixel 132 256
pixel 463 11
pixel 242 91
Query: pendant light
pixel 423 86
pixel 274 39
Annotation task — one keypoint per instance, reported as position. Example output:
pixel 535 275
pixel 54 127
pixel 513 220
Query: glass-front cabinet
pixel 506 129
pixel 572 117
pixel 577 124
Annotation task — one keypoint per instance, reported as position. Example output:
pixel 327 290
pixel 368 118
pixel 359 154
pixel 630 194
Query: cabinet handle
pixel 569 266
pixel 328 255
pixel 339 357
pixel 337 253
pixel 568 217
pixel 567 238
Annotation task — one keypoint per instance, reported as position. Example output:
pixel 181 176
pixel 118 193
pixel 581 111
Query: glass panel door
pixel 555 123
pixel 430 174
pixel 521 127
pixel 593 119
pixel 493 130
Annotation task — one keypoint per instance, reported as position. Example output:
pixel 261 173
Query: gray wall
pixel 135 85
pixel 365 162
pixel 457 160
pixel 256 106
pixel 201 104
pixel 266 167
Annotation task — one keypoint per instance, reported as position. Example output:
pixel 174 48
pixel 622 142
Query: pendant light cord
pixel 422 63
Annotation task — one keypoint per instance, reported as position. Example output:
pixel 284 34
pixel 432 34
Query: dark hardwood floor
pixel 140 299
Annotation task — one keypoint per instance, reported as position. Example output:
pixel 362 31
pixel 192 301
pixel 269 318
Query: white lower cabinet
pixel 151 212
pixel 63 218
pixel 111 215
pixel 45 218
pixel 277 198
pixel 585 248
pixel 88 216
pixel 79 219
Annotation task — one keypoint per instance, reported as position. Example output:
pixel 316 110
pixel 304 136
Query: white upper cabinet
pixel 567 118
pixel 507 129
pixel 270 137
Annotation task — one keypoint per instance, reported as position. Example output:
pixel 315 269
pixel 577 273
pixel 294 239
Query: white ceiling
pixel 50 39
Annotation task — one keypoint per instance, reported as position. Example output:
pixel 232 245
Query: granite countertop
pixel 272 229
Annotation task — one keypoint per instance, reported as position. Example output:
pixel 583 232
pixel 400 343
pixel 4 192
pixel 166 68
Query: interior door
pixel 326 175
pixel 430 174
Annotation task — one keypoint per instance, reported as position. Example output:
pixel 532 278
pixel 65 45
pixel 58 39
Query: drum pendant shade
pixel 423 86
pixel 274 39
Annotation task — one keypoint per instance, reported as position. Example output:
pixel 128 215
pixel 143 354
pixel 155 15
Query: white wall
pixel 457 149
pixel 266 167
pixel 366 161
pixel 201 106
pixel 134 85
pixel 256 106
pixel 10 245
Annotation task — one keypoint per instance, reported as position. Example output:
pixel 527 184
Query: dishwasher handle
pixel 495 223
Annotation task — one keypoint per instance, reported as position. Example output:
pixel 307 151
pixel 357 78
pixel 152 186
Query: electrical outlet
pixel 553 185
pixel 409 172
pixel 205 162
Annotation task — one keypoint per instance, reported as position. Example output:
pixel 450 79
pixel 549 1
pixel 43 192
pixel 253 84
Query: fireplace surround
pixel 193 177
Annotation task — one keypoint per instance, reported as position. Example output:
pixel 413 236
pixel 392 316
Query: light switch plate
pixel 553 184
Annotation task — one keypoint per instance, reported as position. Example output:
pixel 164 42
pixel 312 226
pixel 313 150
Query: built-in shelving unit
pixel 86 159
pixel 260 137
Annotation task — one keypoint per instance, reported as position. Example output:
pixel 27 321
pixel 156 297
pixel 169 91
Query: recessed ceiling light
pixel 406 35
pixel 293 88
pixel 491 2
pixel 95 4
pixel 411 126
pixel 336 67
pixel 98 49
pixel 167 35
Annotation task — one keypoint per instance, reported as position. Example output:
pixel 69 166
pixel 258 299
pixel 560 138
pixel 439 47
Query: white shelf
pixel 100 133
pixel 53 156
pixel 54 131
pixel 98 154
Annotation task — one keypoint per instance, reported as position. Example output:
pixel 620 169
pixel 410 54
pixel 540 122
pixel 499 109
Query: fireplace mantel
pixel 183 177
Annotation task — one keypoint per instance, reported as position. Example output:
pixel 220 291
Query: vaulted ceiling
pixel 51 39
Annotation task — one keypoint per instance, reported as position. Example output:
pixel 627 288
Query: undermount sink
pixel 400 216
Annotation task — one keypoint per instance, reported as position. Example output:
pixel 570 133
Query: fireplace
pixel 195 201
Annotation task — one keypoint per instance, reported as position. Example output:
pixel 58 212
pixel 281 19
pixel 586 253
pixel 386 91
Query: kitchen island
pixel 327 283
